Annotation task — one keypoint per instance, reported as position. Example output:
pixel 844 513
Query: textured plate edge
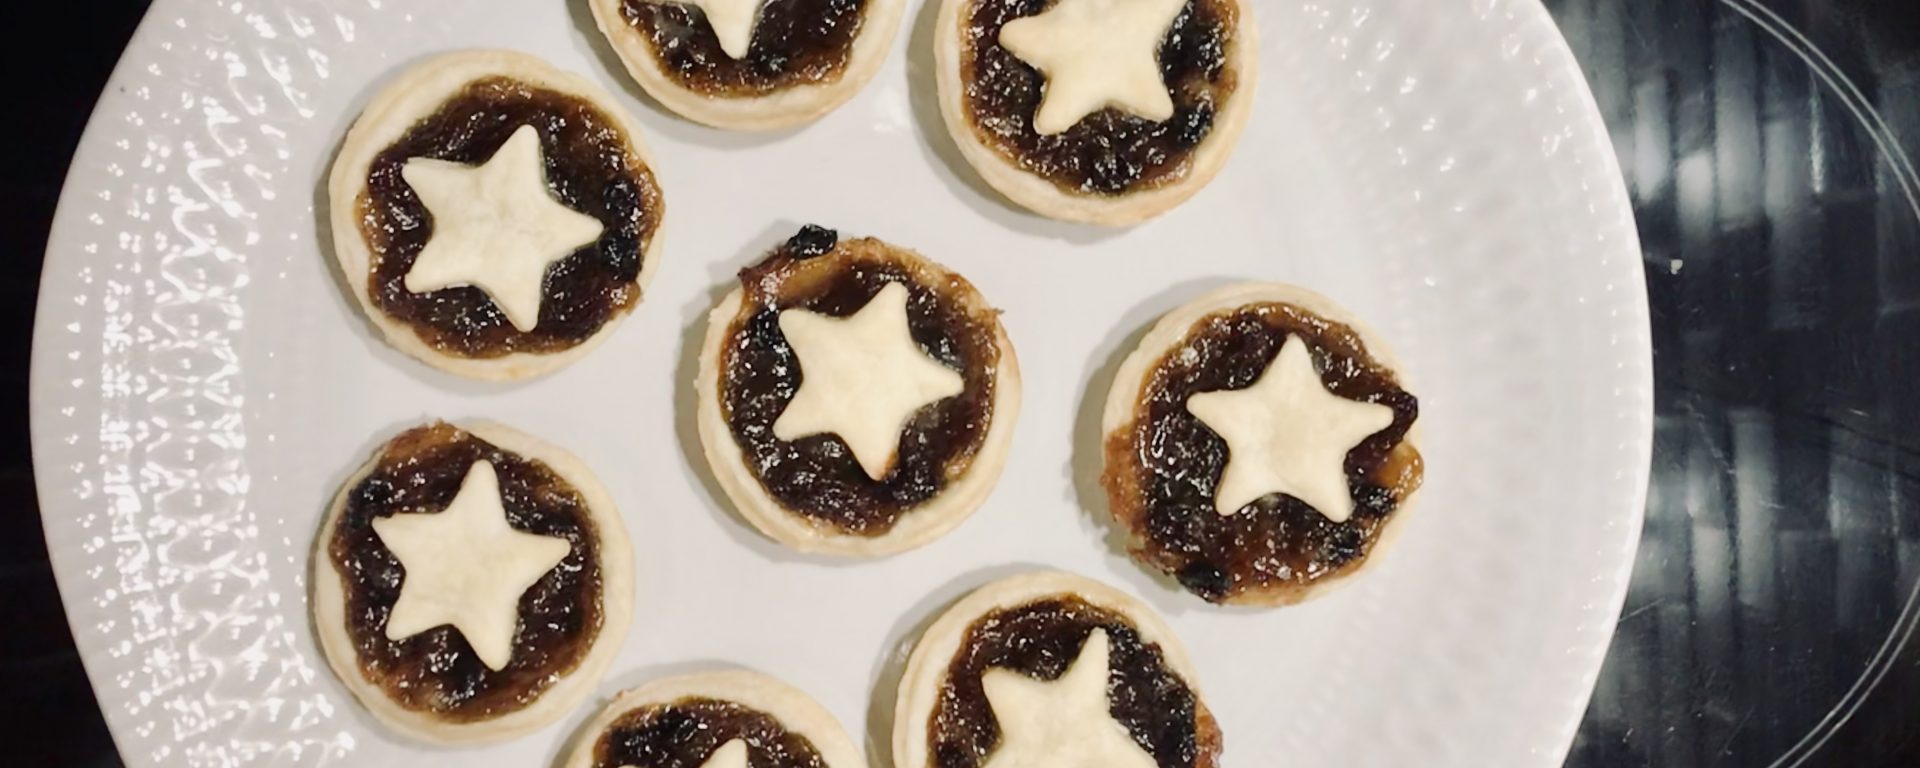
pixel 1636 403
pixel 43 386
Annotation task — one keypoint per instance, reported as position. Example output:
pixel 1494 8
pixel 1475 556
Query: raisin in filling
pixel 1040 640
pixel 591 168
pixel 1164 469
pixel 817 477
pixel 686 733
pixel 795 42
pixel 1110 152
pixel 436 671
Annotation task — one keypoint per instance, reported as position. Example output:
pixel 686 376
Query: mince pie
pixel 1260 445
pixel 1051 669
pixel 730 719
pixel 855 398
pixel 1102 111
pixel 750 64
pixel 494 216
pixel 471 583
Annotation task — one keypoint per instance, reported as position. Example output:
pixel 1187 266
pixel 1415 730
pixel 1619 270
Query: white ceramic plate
pixel 201 384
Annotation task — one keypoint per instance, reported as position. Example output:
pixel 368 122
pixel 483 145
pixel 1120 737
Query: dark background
pixel 1783 260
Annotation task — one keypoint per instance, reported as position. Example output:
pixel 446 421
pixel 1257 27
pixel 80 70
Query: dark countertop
pixel 1765 145
pixel 1769 148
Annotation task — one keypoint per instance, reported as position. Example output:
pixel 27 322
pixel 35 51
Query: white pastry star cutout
pixel 1288 434
pixel 1095 54
pixel 732 21
pixel 495 227
pixel 862 377
pixel 1063 723
pixel 467 567
pixel 732 754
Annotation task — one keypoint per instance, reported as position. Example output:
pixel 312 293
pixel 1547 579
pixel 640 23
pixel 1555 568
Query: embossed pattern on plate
pixel 201 384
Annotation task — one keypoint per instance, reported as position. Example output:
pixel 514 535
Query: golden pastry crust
pixel 916 527
pixel 410 97
pixel 1129 382
pixel 1047 199
pixel 616 602
pixel 926 671
pixel 786 108
pixel 796 711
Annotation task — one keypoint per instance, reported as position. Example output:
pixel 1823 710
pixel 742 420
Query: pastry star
pixel 732 754
pixel 495 227
pixel 732 21
pixel 1288 434
pixel 1064 723
pixel 466 566
pixel 1095 54
pixel 861 377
